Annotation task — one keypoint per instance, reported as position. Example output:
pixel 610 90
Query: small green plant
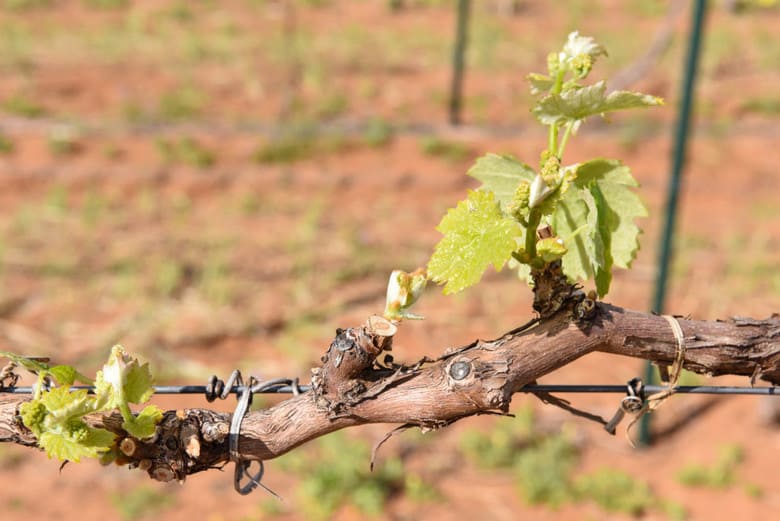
pixel 615 491
pixel 23 5
pixel 282 152
pixel 589 208
pixel 337 474
pixel 419 490
pixel 720 475
pixel 141 502
pixel 182 103
pixel 500 447
pixel 297 144
pixel 769 106
pixel 6 145
pixel 377 133
pixel 106 4
pixel 541 462
pixel 186 150
pixel 449 150
pixel 543 471
pixel 21 105
pixel 332 106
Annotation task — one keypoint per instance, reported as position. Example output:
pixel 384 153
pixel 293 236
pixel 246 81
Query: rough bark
pixel 352 387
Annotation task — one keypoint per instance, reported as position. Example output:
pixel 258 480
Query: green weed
pixel 765 105
pixel 215 281
pixel 673 510
pixel 336 472
pixel 285 150
pixel 6 145
pixel 187 151
pixel 23 5
pixel 419 490
pixel 93 209
pixel 250 203
pixel 143 501
pixel 499 448
pixel 168 277
pixel 615 491
pixel 541 463
pixel 299 144
pixel 543 471
pixel 720 475
pixel 106 4
pixel 57 200
pixel 182 103
pixel 21 105
pixel 180 12
pixel 449 150
pixel 332 106
pixel 377 133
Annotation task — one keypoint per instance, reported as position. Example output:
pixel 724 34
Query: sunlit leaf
pixel 501 175
pixel 577 104
pixel 595 218
pixel 476 235
pixel 143 425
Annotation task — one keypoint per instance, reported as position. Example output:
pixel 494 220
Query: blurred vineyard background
pixel 221 184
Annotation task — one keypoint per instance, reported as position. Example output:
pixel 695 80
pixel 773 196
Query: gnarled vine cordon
pixel 352 387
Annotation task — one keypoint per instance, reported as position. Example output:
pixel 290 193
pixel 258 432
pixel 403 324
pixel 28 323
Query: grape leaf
pixel 64 405
pixel 595 218
pixel 539 83
pixel 143 425
pixel 123 380
pixel 67 375
pixel 621 206
pixel 576 222
pixel 501 174
pixel 81 442
pixel 476 235
pixel 139 384
pixel 577 104
pixel 64 374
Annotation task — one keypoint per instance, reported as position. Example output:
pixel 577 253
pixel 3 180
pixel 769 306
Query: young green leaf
pixel 577 104
pixel 65 405
pixel 501 174
pixel 621 206
pixel 595 218
pixel 123 380
pixel 79 441
pixel 476 235
pixel 577 45
pixel 63 374
pixel 142 426
pixel 575 221
pixel 539 83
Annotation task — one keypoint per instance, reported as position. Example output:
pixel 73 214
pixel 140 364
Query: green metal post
pixel 458 61
pixel 680 145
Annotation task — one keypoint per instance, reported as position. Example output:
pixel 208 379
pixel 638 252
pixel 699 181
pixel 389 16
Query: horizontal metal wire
pixel 616 389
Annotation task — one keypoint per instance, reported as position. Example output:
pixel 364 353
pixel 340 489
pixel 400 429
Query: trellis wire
pixel 548 388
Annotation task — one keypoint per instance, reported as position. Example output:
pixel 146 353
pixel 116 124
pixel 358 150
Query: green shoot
pixel 589 207
pixel 56 416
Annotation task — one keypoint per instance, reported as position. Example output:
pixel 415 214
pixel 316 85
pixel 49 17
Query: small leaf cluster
pixel 56 416
pixel 588 208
